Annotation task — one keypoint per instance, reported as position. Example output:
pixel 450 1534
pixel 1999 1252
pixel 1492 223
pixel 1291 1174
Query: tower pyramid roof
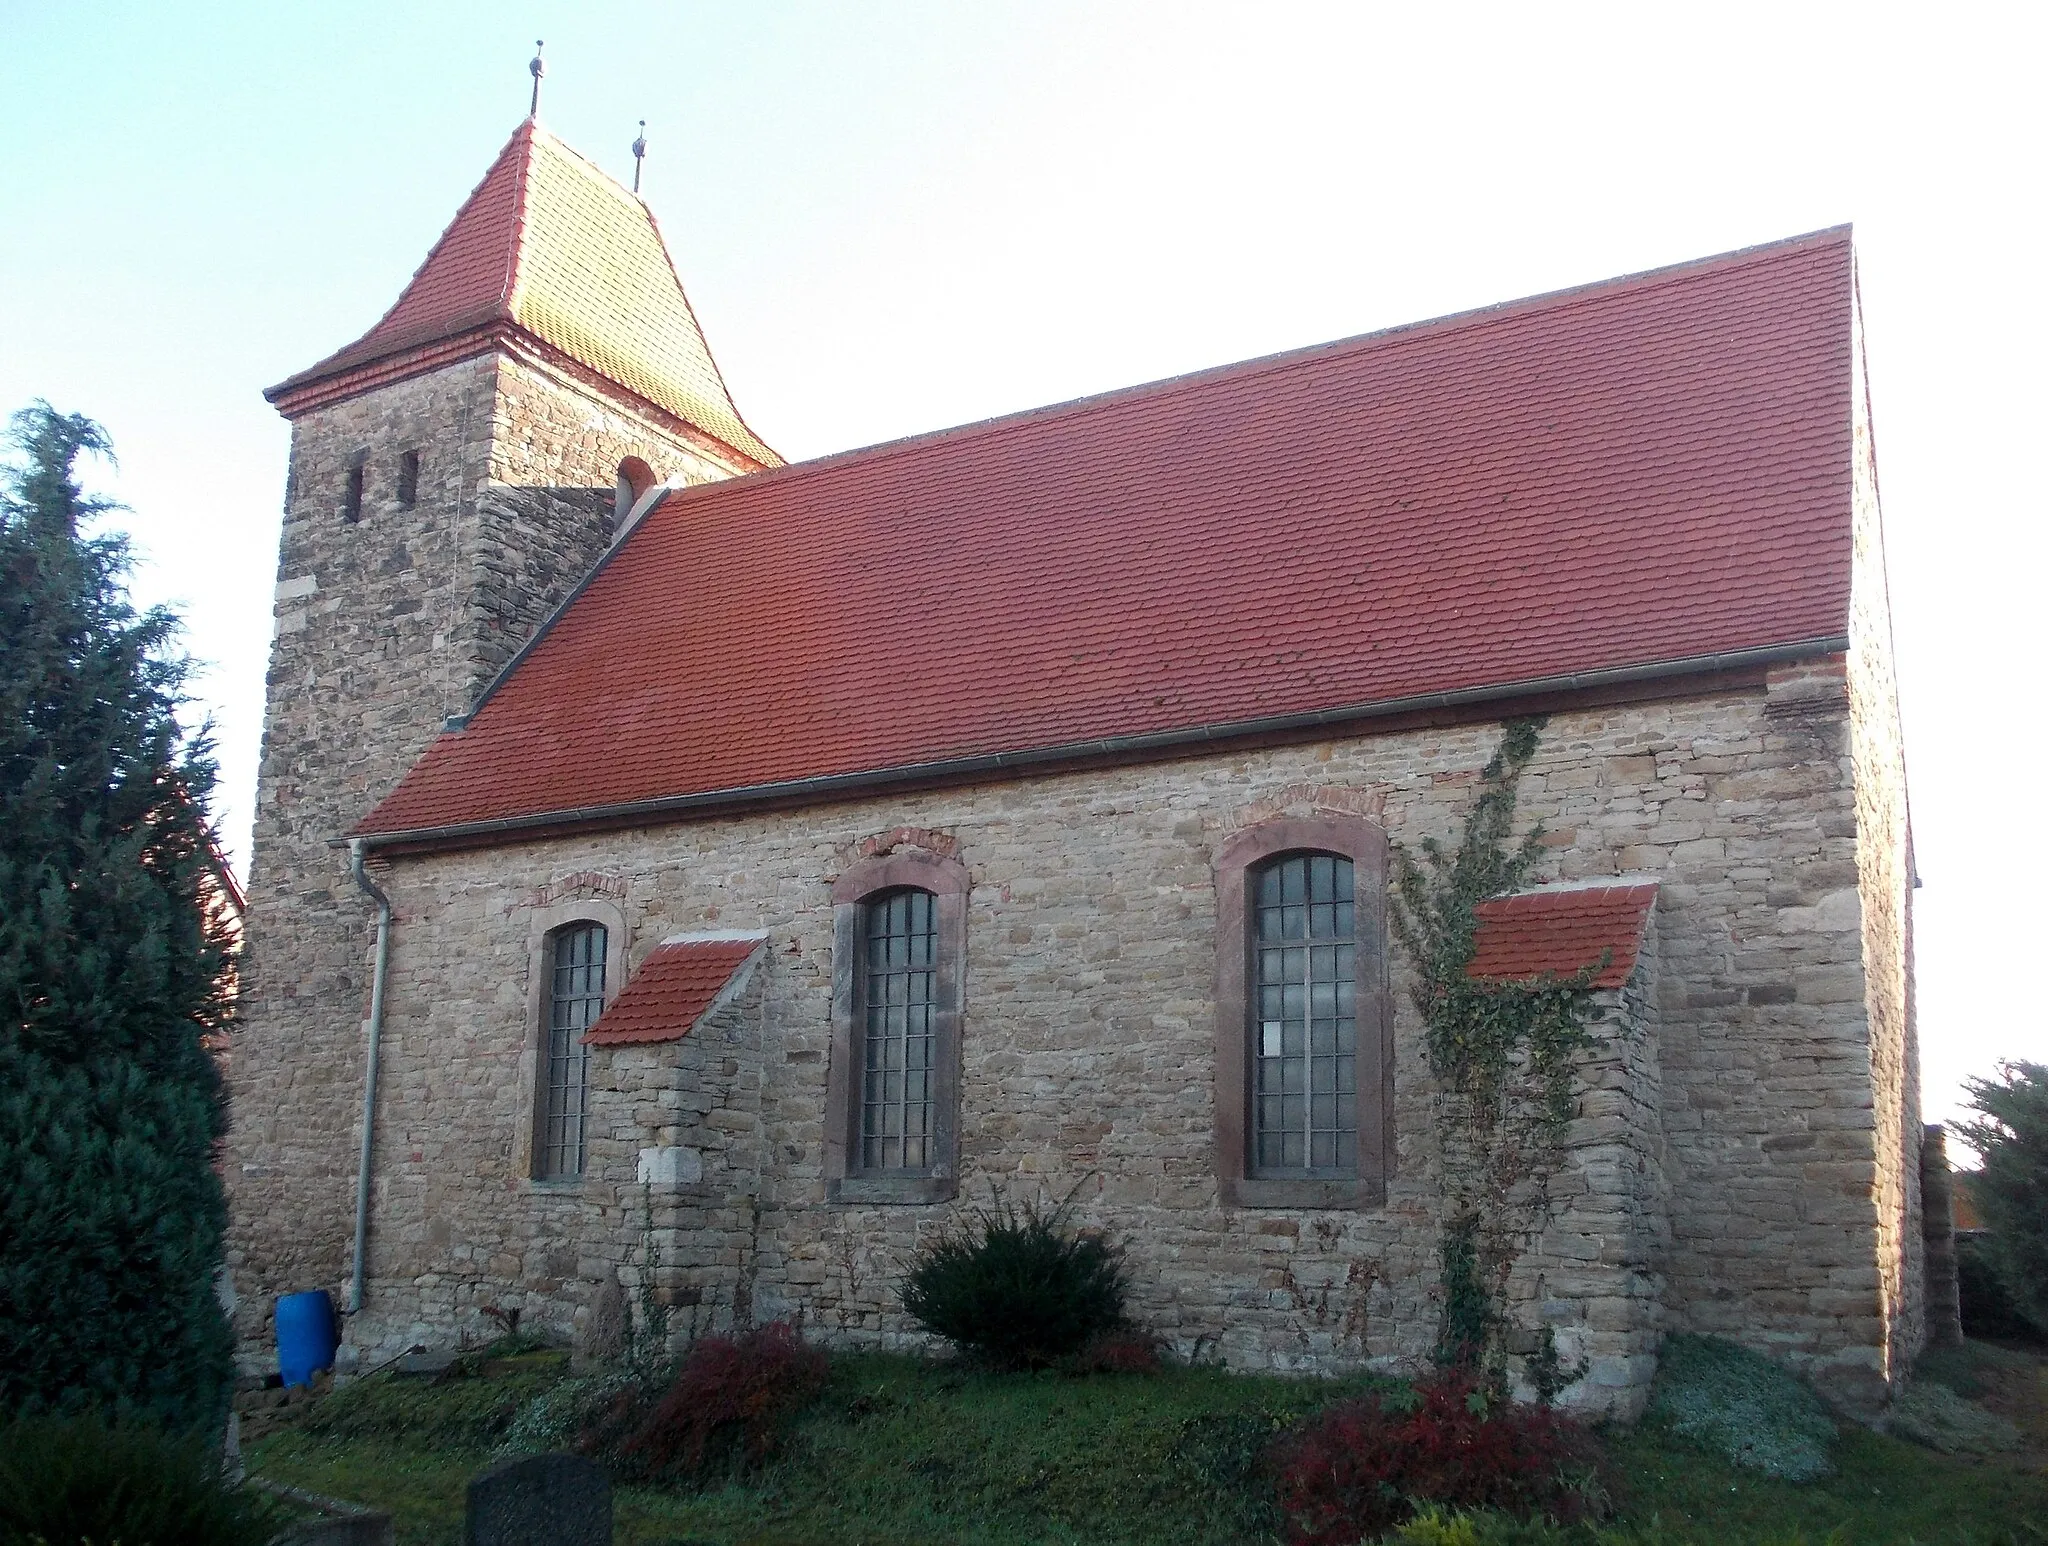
pixel 551 247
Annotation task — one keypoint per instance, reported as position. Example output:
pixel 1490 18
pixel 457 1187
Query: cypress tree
pixel 113 966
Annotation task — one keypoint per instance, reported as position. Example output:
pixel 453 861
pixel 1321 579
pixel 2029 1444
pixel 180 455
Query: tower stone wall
pixel 386 623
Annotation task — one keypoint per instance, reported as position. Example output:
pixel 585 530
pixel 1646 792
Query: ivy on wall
pixel 1500 1055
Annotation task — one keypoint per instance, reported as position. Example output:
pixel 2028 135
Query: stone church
pixel 658 840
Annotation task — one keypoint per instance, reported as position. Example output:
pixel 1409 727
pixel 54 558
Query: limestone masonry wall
pixel 1740 1105
pixel 1885 888
pixel 384 625
pixel 1595 1276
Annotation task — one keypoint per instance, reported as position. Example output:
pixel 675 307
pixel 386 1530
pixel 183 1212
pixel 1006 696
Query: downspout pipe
pixel 371 889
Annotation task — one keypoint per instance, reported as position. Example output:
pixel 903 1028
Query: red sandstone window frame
pixel 946 880
pixel 1365 844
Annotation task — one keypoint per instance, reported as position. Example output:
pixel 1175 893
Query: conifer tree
pixel 2011 1190
pixel 112 968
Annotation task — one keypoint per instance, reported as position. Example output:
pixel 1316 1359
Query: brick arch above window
pixel 1239 862
pixel 849 1178
pixel 940 874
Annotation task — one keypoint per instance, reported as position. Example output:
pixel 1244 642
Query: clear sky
pixel 893 217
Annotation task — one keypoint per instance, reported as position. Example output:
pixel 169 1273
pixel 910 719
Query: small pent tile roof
pixel 1558 932
pixel 681 980
pixel 551 247
pixel 1622 478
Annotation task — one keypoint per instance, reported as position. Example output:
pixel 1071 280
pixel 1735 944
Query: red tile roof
pixel 1558 932
pixel 550 246
pixel 1643 471
pixel 680 979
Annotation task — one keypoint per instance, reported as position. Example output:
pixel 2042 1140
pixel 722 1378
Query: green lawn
pixel 907 1452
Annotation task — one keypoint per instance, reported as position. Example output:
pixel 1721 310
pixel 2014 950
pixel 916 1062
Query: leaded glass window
pixel 575 1000
pixel 1305 1017
pixel 898 1003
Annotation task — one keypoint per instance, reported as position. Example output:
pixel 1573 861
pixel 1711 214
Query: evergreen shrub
pixel 1017 1286
pixel 1743 1406
pixel 80 1482
pixel 730 1406
pixel 113 968
pixel 2011 1187
pixel 1361 1468
pixel 1989 1310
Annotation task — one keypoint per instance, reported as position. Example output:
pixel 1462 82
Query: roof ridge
pixel 593 167
pixel 1263 364
pixel 522 191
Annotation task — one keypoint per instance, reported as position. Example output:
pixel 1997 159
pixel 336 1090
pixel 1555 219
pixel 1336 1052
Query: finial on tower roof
pixel 537 70
pixel 639 154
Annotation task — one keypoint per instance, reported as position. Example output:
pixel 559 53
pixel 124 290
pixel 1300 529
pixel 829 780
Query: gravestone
pixel 540 1500
pixel 604 1333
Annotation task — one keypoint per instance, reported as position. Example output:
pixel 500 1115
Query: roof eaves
pixel 1111 748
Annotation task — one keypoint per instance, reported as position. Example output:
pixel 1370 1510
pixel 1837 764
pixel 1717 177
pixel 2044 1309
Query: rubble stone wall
pixel 1885 888
pixel 384 625
pixel 1594 1277
pixel 1089 982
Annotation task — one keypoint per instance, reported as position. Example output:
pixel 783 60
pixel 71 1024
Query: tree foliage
pixel 1500 1053
pixel 1018 1286
pixel 2011 1191
pixel 112 969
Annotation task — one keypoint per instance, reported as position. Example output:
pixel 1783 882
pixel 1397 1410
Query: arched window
pixel 1303 1058
pixel 573 1001
pixel 898 1000
pixel 893 1092
pixel 1305 1031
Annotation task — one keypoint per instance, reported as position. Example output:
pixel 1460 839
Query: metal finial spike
pixel 537 69
pixel 639 154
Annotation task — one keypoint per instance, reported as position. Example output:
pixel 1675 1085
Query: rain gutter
pixel 1108 748
pixel 369 887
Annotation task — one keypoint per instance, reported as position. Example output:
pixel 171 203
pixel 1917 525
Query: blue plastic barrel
pixel 306 1337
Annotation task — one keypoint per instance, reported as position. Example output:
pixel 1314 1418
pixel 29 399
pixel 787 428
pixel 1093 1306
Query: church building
pixel 658 842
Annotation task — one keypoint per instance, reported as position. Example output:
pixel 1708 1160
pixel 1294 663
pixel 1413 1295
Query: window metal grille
pixel 575 1000
pixel 899 993
pixel 1305 1018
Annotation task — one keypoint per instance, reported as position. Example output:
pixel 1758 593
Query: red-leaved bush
pixel 1364 1466
pixel 729 1404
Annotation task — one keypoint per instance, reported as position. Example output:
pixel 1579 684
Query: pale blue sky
pixel 893 217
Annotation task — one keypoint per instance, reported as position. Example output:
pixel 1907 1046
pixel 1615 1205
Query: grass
pixel 907 1452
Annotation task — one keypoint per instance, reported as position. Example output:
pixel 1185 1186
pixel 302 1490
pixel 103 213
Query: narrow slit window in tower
pixel 409 478
pixel 352 493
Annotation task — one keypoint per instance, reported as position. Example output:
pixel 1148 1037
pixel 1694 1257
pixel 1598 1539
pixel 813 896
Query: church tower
pixel 454 472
